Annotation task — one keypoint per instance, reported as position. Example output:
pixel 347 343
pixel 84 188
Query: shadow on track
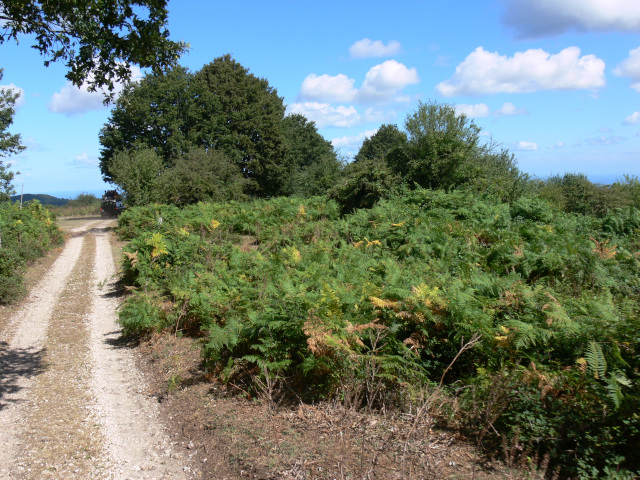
pixel 16 365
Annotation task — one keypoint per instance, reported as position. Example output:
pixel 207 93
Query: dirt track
pixel 72 402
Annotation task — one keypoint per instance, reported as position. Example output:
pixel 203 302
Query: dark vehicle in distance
pixel 111 204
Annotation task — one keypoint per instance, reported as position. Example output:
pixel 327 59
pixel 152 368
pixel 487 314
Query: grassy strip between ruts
pixel 63 438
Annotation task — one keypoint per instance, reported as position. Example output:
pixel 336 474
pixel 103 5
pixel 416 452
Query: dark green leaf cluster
pixel 573 192
pixel 97 40
pixel 196 175
pixel 25 235
pixel 378 302
pixel 440 149
pixel 221 108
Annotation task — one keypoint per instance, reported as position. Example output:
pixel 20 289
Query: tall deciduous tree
pixel 315 167
pixel 222 107
pixel 440 150
pixel 98 40
pixel 201 176
pixel 137 174
pixel 9 143
pixel 364 184
pixel 157 112
pixel 442 146
pixel 387 139
pixel 242 116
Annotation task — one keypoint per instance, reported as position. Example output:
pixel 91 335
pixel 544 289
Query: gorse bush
pixel 26 234
pixel 371 307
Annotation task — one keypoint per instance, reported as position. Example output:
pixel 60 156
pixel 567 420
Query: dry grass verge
pixel 235 437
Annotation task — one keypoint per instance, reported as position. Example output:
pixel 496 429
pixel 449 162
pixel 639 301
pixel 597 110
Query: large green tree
pixel 314 165
pixel 9 143
pixel 97 40
pixel 241 114
pixel 442 147
pixel 439 149
pixel 137 173
pixel 157 112
pixel 222 108
pixel 386 140
pixel 364 184
pixel 201 176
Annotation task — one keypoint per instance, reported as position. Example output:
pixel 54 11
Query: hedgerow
pixel 374 306
pixel 26 234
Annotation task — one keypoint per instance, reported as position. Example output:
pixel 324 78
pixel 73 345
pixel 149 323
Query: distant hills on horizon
pixel 42 198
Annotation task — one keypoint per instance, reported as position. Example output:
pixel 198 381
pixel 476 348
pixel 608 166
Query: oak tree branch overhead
pixel 98 40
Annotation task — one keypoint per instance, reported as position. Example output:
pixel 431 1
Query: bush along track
pixel 526 316
pixel 26 234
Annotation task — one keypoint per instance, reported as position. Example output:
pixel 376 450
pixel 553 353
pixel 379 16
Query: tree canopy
pixel 157 112
pixel 201 176
pixel 439 149
pixel 242 116
pixel 380 144
pixel 315 167
pixel 97 40
pixel 222 107
pixel 441 146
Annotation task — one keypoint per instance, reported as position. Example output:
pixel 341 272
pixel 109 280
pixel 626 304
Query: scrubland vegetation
pixel 429 262
pixel 25 235
pixel 291 298
pixel 83 205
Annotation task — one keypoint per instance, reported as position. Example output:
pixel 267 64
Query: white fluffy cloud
pixel 385 81
pixel 16 89
pixel 484 72
pixel 525 146
pixel 509 109
pixel 473 111
pixel 351 144
pixel 557 145
pixel 630 67
pixel 482 110
pixel 328 88
pixel 367 48
pixel 541 18
pixel 632 119
pixel 71 100
pixel 382 83
pixel 326 115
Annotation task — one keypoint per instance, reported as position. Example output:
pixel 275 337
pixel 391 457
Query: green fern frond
pixel 595 360
pixel 615 382
pixel 527 334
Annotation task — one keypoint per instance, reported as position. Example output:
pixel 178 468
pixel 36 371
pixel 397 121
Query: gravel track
pixel 72 403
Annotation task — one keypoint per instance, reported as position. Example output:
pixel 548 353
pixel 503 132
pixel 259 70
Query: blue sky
pixel 557 82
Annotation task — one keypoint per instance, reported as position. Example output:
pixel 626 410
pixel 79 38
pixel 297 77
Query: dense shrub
pixel 573 192
pixel 26 235
pixel 373 306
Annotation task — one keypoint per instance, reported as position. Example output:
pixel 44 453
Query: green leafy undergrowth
pixel 372 307
pixel 25 235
